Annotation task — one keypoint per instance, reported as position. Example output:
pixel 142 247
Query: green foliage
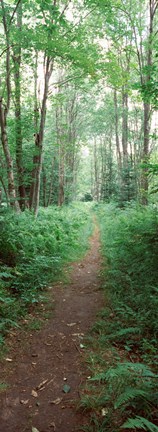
pixel 131 249
pixel 125 383
pixel 32 254
pixel 140 423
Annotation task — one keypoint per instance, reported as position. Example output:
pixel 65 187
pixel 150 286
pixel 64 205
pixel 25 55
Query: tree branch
pixel 8 48
pixel 4 18
pixel 8 83
pixel 65 8
pixel 155 6
pixel 14 12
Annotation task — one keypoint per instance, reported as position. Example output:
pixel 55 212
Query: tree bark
pixel 48 65
pixel 61 153
pixel 9 162
pixel 51 183
pixel 18 128
pixel 36 126
pixel 44 187
pixel 125 126
pixel 5 189
pixel 96 171
pixel 118 151
pixel 3 120
pixel 145 80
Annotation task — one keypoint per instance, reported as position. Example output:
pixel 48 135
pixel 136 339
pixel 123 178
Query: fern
pixel 99 377
pixel 123 369
pixel 140 423
pixel 128 395
pixel 124 332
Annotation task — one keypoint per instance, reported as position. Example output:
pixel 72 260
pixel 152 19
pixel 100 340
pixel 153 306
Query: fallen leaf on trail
pixel 34 393
pixel 66 388
pixel 24 402
pixel 41 384
pixel 71 324
pixel 34 429
pixel 56 401
pixel 9 359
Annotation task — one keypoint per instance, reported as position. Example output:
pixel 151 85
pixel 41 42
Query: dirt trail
pixel 53 354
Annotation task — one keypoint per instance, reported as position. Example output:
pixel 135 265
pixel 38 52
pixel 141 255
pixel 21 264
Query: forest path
pixel 53 357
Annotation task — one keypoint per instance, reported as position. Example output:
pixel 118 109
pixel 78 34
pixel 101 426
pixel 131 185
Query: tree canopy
pixel 77 75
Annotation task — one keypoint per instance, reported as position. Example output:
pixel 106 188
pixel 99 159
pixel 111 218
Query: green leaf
pixel 140 423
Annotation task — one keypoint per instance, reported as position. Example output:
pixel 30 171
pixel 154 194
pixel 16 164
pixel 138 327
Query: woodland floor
pixel 43 361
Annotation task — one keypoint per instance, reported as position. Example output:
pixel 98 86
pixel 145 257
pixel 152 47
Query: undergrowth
pixel 123 392
pixel 33 253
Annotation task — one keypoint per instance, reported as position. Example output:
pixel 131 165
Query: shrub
pixel 33 252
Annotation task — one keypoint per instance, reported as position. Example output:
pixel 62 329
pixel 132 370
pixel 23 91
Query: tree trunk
pixel 44 187
pixel 9 162
pixel 36 126
pixel 124 127
pixel 144 176
pixel 153 5
pixel 103 169
pixel 48 63
pixel 118 151
pixel 51 183
pixel 18 129
pixel 61 153
pixel 96 171
pixel 61 195
pixel 3 118
pixel 5 190
pixel 125 167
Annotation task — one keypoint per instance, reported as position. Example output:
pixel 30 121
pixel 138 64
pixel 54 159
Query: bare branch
pixel 60 83
pixel 82 19
pixel 64 9
pixel 14 12
pixel 8 48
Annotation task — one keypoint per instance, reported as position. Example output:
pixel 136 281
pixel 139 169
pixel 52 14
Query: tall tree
pixel 5 106
pixel 18 120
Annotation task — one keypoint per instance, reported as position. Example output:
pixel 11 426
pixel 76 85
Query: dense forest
pixel 78 102
pixel 79 142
